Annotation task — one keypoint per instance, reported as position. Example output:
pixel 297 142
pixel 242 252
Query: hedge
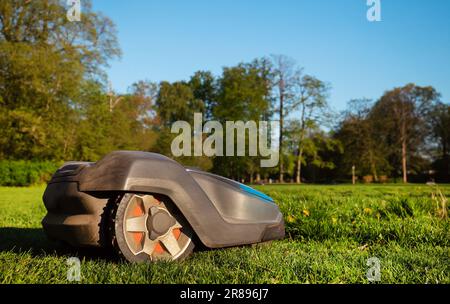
pixel 20 173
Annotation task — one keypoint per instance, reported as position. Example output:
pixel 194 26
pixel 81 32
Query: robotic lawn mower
pixel 148 207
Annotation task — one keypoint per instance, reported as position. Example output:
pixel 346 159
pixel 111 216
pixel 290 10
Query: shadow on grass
pixel 35 242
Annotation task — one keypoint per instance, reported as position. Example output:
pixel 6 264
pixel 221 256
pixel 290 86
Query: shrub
pixel 368 179
pixel 383 179
pixel 25 173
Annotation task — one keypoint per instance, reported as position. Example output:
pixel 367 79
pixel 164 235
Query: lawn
pixel 332 231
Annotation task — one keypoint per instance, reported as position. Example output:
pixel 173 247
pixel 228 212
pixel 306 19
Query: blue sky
pixel 332 40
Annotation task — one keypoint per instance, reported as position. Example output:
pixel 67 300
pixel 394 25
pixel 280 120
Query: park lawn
pixel 332 231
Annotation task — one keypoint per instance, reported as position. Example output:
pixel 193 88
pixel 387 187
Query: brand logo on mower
pixel 235 132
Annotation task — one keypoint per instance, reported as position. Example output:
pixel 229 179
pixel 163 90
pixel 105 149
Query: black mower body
pixel 221 212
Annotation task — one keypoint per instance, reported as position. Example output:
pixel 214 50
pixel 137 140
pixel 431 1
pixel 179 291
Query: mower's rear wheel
pixel 149 228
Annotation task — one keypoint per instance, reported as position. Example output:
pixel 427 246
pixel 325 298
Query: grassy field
pixel 331 233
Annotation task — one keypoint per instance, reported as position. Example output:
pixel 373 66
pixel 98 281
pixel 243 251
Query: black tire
pixel 128 246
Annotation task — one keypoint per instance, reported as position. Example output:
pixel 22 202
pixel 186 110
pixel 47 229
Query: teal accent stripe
pixel 256 193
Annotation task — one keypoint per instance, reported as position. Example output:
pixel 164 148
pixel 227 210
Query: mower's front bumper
pixel 73 216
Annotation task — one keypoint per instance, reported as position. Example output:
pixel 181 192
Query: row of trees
pixel 56 104
pixel 406 131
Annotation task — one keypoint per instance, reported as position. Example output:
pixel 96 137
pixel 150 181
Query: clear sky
pixel 331 39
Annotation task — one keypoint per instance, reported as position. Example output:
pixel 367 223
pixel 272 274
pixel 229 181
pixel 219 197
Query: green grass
pixel 331 233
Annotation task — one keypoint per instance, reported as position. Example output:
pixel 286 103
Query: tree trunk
pixel 405 176
pixel 280 143
pixel 374 172
pixel 298 178
pixel 373 167
pixel 353 175
pixel 444 149
pixel 300 146
pixel 403 139
pixel 258 177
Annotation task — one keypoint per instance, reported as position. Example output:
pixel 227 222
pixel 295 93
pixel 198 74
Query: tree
pixel 284 72
pixel 94 135
pixel 176 101
pixel 127 127
pixel 44 61
pixel 362 148
pixel 439 119
pixel 92 40
pixel 37 87
pixel 243 94
pixel 439 126
pixel 204 88
pixel 400 120
pixel 315 145
pixel 311 101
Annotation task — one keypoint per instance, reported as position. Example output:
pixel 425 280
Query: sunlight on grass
pixel 331 231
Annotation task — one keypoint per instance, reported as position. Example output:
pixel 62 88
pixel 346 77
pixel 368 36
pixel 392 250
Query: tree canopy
pixel 56 104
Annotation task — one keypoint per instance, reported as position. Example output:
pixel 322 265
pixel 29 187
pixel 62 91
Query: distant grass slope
pixel 331 233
